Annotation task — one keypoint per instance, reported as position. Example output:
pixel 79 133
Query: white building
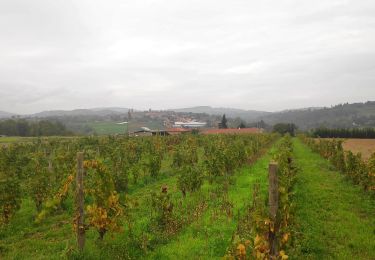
pixel 191 124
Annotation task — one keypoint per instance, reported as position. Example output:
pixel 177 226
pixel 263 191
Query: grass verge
pixel 334 218
pixel 209 237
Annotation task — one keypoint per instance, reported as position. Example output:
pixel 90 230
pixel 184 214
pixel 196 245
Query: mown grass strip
pixel 209 238
pixel 334 218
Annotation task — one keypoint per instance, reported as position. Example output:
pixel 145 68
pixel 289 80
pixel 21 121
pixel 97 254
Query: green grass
pixel 209 238
pixel 334 218
pixel 15 139
pixel 108 128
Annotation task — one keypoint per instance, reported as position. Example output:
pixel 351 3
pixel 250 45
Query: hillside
pixel 4 114
pixel 113 109
pixel 77 112
pixel 339 116
pixel 343 115
pixel 247 115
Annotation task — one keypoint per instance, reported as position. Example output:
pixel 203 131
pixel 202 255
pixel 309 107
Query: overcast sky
pixel 263 55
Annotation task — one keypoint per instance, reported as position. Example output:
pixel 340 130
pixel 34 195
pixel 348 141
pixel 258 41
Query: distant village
pixel 181 123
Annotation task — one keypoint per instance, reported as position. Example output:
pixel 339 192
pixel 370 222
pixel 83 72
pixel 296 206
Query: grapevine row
pixel 352 165
pixel 45 171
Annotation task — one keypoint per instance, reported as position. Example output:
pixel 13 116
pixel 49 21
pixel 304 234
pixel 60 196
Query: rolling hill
pixel 77 112
pixel 4 114
pixel 247 115
pixel 339 116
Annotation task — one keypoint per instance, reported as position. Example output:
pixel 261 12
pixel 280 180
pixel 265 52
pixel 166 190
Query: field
pixel 11 139
pixel 192 197
pixel 108 128
pixel 140 177
pixel 364 146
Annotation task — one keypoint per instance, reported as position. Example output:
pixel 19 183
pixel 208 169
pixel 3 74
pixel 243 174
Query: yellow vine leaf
pixel 283 255
pixel 257 240
pixel 285 238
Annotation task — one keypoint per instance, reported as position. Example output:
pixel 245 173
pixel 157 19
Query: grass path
pixel 335 219
pixel 207 238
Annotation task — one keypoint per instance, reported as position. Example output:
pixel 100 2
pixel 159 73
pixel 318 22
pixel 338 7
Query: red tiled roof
pixel 252 130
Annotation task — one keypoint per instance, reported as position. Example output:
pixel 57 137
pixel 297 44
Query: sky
pixel 161 54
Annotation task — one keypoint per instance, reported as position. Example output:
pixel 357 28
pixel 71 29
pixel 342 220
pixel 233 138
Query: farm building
pixel 141 133
pixel 169 131
pixel 190 124
pixel 251 130
pixel 145 131
pixel 177 131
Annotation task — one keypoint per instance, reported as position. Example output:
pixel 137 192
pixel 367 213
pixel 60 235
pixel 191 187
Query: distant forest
pixel 357 115
pixel 21 127
pixel 345 133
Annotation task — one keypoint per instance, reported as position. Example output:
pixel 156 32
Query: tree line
pixel 22 127
pixel 344 133
pixel 285 128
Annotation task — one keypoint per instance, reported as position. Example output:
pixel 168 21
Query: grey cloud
pixel 268 55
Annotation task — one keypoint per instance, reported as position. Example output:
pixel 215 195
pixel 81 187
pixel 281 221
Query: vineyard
pixel 360 171
pixel 191 196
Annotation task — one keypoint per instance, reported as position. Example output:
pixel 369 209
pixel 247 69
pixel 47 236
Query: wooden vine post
pixel 80 218
pixel 273 201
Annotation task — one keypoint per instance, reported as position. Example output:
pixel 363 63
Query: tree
pixel 22 127
pixel 242 125
pixel 223 123
pixel 284 128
